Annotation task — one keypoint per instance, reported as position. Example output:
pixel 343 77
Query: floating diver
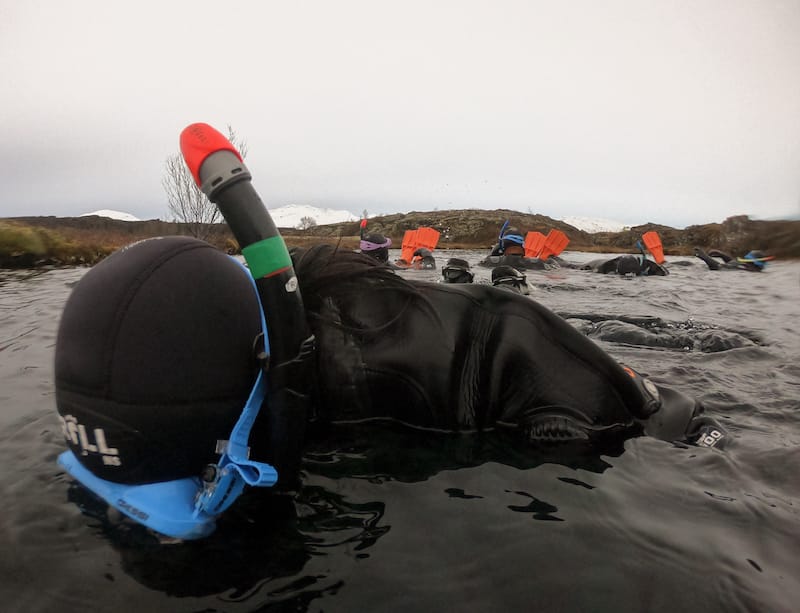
pixel 457 270
pixel 180 378
pixel 632 264
pixel 753 261
pixel 626 265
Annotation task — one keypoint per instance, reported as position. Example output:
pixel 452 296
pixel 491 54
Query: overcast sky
pixel 672 111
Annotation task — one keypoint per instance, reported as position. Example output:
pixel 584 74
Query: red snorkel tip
pixel 198 141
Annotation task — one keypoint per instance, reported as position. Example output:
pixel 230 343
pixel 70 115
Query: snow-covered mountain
pixel 113 215
pixel 291 215
pixel 592 224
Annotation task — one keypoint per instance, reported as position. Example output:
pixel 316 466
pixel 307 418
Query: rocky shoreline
pixel 27 242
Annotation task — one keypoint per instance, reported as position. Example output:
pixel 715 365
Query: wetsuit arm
pixel 675 416
pixel 710 262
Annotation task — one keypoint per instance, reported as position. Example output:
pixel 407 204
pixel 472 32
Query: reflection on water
pixel 393 519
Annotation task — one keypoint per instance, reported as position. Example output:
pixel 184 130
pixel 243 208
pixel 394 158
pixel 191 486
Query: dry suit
pixel 470 357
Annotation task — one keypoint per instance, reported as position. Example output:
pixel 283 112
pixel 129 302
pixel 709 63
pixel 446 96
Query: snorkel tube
pixel 220 173
pixel 503 230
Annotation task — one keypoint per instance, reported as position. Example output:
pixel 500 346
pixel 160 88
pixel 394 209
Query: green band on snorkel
pixel 267 256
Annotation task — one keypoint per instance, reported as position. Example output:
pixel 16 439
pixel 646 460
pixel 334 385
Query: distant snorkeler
pixel 457 270
pixel 376 246
pixel 422 259
pixel 753 261
pixel 510 242
pixel 416 251
pixel 508 277
pixel 633 265
pixel 533 251
pixel 158 352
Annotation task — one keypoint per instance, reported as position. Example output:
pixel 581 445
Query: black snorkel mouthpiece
pixel 219 171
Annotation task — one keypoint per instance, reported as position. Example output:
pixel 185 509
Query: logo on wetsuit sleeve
pixel 709 437
pixel 78 435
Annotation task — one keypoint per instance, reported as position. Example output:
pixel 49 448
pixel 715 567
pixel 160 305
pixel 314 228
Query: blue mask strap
pixel 187 508
pixel 224 481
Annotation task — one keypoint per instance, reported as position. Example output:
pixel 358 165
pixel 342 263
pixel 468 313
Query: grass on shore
pixel 24 246
pixel 30 246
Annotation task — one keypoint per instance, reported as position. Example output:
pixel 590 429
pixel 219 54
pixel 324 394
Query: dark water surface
pixel 392 519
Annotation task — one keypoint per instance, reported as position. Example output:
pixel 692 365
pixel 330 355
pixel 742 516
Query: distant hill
pixel 34 241
pixel 479 229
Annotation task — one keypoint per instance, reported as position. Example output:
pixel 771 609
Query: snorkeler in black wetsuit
pixel 626 265
pixel 634 265
pixel 753 261
pixel 448 356
pixel 510 251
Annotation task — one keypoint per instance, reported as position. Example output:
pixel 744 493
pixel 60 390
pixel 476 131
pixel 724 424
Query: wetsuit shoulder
pixel 650 268
pixel 601 265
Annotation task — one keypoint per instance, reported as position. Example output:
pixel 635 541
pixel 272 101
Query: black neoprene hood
pixel 154 359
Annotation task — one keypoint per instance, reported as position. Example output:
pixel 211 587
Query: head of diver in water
pixel 508 277
pixel 457 271
pixel 376 246
pixel 422 259
pixel 512 242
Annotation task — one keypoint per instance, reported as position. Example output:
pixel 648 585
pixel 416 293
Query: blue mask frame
pixel 188 508
pixel 514 238
pixel 753 259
